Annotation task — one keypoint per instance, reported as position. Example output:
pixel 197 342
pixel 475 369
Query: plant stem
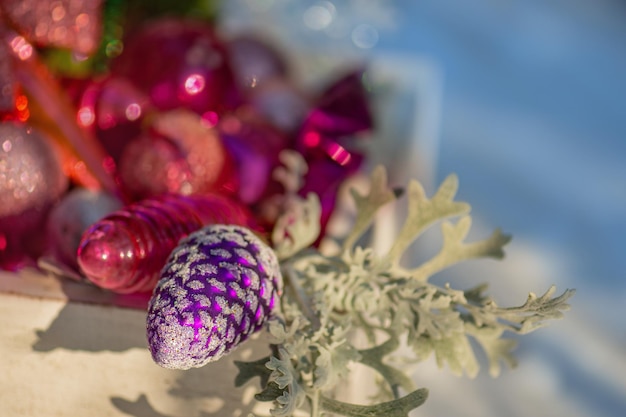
pixel 303 300
pixel 315 404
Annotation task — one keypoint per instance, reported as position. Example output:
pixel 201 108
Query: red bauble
pixel 113 109
pixel 178 63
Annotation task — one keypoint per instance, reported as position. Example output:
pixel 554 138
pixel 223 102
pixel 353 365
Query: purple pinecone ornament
pixel 218 287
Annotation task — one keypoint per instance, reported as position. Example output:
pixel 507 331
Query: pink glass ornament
pixel 71 216
pixel 255 146
pixel 182 155
pixel 178 63
pixel 125 251
pixel 31 179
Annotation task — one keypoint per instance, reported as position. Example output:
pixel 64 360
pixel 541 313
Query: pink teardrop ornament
pixel 125 251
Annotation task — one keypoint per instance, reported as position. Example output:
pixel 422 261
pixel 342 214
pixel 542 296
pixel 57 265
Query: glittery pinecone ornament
pixel 218 287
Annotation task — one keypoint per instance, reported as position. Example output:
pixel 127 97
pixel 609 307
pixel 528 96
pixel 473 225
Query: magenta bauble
pixel 178 63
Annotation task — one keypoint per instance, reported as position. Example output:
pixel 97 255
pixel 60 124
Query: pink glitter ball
pixel 31 179
pixel 178 63
pixel 182 155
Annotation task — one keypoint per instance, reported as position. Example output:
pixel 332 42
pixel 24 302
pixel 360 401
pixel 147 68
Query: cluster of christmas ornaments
pixel 192 125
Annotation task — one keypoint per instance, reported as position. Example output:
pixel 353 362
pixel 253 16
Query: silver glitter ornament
pixel 217 288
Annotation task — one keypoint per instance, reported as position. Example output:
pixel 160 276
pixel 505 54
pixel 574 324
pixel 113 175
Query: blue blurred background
pixel 530 112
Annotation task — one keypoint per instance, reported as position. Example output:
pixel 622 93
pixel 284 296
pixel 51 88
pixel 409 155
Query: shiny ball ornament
pixel 254 62
pixel 124 251
pixel 178 63
pixel 218 287
pixel 112 108
pixel 180 155
pixel 31 180
pixel 71 216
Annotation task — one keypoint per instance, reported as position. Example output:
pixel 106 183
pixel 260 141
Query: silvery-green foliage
pixel 330 298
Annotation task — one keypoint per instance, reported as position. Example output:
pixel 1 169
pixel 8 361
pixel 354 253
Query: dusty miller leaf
pixel 291 173
pixel 286 379
pixel 495 347
pixel 530 316
pixel 270 392
pixel 298 226
pixel 367 206
pixel 395 408
pixel 536 310
pixel 325 295
pixel 454 350
pixel 454 249
pixel 422 212
pixel 374 358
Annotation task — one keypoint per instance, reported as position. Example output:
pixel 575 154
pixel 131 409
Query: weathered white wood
pixel 60 358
